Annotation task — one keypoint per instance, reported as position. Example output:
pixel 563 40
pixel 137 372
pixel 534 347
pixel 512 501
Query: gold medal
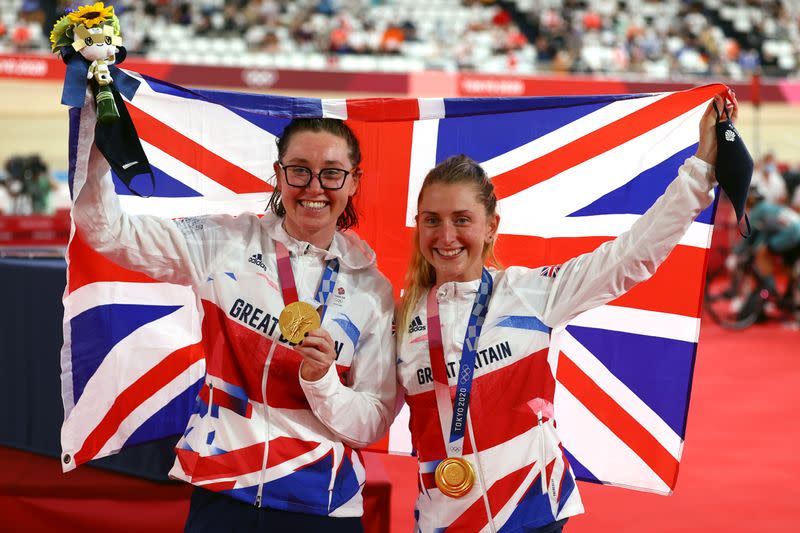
pixel 455 477
pixel 296 320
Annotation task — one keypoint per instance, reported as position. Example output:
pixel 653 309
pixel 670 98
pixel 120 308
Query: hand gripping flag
pixel 570 172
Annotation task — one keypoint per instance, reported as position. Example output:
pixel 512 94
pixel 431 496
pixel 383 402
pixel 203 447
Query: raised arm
pixel 595 278
pixel 153 245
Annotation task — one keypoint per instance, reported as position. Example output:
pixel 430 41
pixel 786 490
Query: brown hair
pixel 455 170
pixel 349 218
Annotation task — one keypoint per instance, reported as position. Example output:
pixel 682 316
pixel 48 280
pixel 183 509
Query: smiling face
pixel 311 211
pixel 100 49
pixel 454 229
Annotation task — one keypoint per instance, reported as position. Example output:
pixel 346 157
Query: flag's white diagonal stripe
pixel 697 235
pixel 539 207
pixel 185 174
pixel 566 134
pixel 120 292
pixel 214 127
pixel 607 457
pixel 151 343
pixel 151 406
pixel 619 392
pixel 640 322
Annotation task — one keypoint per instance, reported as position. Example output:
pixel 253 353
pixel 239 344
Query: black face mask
pixel 119 143
pixel 734 166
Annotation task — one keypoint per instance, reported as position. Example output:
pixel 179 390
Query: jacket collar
pixel 352 252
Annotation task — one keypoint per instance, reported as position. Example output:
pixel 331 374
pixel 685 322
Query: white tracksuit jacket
pixel 259 432
pixel 511 438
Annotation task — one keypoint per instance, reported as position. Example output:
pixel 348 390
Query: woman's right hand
pixel 319 353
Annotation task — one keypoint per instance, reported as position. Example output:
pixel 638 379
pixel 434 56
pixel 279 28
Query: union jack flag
pixel 570 173
pixel 550 271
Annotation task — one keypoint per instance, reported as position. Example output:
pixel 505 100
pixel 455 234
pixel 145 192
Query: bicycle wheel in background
pixel 735 300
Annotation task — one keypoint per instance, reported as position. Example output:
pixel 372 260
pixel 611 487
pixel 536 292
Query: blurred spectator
pixel 592 20
pixel 656 38
pixel 768 180
pixel 749 61
pixel 792 177
pixel 28 185
pixel 660 39
pixel 182 14
pixel 5 199
pixel 23 37
pixel 501 18
pixel 409 31
pixel 392 39
pixel 339 38
pixel 795 203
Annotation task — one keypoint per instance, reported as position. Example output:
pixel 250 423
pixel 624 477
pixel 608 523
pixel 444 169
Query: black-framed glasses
pixel 329 178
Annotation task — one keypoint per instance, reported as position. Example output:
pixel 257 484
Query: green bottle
pixel 106 107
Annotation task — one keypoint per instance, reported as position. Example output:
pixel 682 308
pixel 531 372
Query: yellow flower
pixel 92 15
pixel 58 29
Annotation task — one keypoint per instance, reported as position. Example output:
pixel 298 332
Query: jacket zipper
pixel 210 407
pixel 266 424
pixel 542 465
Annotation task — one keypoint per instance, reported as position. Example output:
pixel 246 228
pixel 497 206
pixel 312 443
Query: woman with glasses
pixel 297 336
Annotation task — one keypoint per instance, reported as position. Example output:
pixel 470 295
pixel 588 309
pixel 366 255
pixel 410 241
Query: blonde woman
pixel 473 342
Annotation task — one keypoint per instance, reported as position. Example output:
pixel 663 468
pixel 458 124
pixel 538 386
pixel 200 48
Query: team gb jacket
pixel 258 432
pixel 523 478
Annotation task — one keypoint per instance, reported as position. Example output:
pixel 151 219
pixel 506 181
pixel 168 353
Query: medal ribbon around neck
pixel 289 287
pixel 453 412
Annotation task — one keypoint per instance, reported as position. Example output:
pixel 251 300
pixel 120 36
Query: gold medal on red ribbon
pixel 296 320
pixel 455 477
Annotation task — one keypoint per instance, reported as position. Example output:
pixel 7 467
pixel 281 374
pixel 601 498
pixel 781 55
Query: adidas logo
pixel 256 260
pixel 416 325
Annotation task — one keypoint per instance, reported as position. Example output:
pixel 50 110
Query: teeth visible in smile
pixel 313 205
pixel 449 253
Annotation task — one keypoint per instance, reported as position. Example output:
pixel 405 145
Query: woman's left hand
pixel 707 149
pixel 318 353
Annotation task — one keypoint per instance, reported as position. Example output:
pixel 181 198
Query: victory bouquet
pixel 89 41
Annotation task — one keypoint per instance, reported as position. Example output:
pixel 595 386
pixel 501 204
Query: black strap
pixel 725 109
